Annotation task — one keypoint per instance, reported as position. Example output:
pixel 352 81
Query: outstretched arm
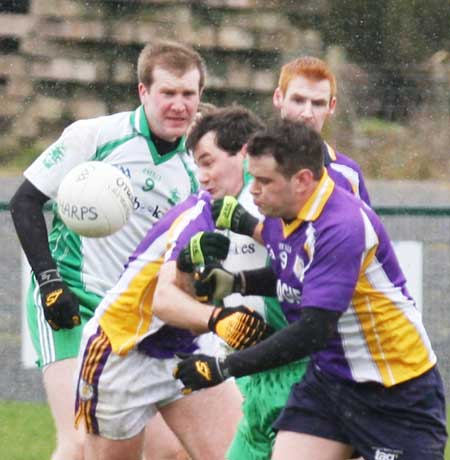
pixel 305 336
pixel 298 340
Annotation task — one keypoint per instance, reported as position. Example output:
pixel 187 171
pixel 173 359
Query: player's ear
pixel 302 180
pixel 277 98
pixel 333 102
pixel 142 90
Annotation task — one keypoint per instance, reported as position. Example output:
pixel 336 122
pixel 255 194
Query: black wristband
pixel 47 276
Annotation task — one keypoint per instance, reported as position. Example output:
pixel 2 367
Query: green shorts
pixel 50 345
pixel 265 395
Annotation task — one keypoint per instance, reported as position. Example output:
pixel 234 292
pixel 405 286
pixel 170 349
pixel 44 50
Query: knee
pixel 69 448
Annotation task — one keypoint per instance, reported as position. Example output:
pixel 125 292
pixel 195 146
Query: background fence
pixel 429 226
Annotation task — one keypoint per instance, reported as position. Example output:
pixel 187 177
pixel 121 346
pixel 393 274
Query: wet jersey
pixel 90 266
pixel 345 172
pixel 125 314
pixel 336 255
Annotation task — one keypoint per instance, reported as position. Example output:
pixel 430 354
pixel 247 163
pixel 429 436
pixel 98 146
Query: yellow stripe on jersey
pixel 127 319
pixel 349 173
pixel 390 336
pixel 389 333
pixel 177 227
pixel 180 224
pixel 331 151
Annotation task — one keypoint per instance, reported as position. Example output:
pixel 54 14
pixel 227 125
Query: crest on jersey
pixel 270 252
pixel 299 268
pixel 54 156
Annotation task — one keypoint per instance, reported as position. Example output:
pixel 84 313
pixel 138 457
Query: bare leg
pixel 98 448
pixel 294 446
pixel 59 385
pixel 206 421
pixel 160 443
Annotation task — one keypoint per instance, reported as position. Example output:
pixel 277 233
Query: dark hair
pixel 172 56
pixel 233 127
pixel 292 144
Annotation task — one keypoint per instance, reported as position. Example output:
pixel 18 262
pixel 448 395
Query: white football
pixel 95 199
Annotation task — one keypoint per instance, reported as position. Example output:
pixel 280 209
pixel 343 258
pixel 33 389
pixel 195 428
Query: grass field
pixel 26 431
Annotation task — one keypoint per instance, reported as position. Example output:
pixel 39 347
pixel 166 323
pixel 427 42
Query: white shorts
pixel 117 395
pixel 210 344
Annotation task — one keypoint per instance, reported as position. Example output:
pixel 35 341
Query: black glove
pixel 240 327
pixel 215 283
pixel 61 306
pixel 199 371
pixel 203 248
pixel 228 213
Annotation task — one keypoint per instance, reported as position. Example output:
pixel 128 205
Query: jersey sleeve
pixel 77 144
pixel 351 172
pixel 363 192
pixel 361 185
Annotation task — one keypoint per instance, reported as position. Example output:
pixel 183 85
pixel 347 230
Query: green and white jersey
pixel 91 266
pixel 246 254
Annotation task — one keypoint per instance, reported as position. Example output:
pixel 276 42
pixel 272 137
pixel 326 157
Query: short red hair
pixel 309 67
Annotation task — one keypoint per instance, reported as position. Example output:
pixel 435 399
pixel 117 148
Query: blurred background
pixel 61 60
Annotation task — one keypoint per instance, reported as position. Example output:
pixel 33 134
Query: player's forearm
pixel 28 218
pixel 298 340
pixel 176 307
pixel 180 310
pixel 261 281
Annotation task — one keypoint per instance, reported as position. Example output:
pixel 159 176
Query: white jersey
pixel 93 265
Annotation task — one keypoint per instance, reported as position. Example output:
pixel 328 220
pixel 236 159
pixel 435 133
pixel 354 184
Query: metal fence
pixel 430 227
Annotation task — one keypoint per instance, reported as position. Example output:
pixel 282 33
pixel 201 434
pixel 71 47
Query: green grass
pixel 26 431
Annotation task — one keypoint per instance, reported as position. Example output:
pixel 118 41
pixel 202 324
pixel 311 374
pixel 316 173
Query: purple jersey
pixel 337 256
pixel 345 172
pixel 125 314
